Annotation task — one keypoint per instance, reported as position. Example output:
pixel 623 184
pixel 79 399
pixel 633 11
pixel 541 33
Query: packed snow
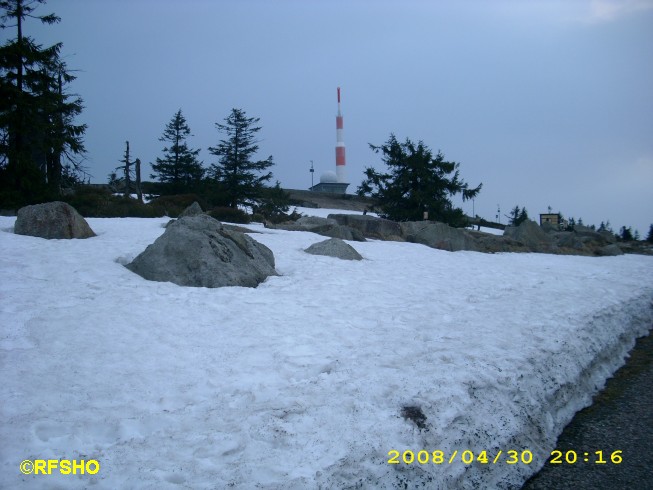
pixel 304 381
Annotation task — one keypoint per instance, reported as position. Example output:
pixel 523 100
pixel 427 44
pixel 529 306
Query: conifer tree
pixel 179 165
pixel 416 182
pixel 626 234
pixel 649 237
pixel 236 171
pixel 37 133
pixel 127 171
pixel 517 216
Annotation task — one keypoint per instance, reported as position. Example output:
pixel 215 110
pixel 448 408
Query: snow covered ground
pixel 301 382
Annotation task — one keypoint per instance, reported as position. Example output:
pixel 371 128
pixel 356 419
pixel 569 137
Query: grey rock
pixel 592 237
pixel 530 234
pixel 370 226
pixel 607 236
pixel 192 210
pixel 198 251
pixel 52 220
pixel 309 222
pixel 549 227
pixel 338 231
pixel 322 226
pixel 489 243
pixel 610 250
pixel 440 236
pixel 568 239
pixel 334 247
pixel 581 229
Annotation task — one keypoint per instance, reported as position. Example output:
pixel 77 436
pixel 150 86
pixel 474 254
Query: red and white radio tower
pixel 340 146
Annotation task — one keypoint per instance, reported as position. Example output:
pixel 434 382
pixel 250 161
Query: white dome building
pixel 328 177
pixel 329 183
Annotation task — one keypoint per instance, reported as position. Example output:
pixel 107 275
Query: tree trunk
pixel 127 172
pixel 139 191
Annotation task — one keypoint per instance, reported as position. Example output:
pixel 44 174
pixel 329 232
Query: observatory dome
pixel 328 177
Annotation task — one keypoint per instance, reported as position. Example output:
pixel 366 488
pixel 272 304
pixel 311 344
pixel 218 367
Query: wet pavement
pixel 620 419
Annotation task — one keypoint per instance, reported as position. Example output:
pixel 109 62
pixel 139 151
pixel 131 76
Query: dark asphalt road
pixel 621 418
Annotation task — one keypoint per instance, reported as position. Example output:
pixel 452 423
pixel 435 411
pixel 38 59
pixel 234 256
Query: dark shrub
pixel 99 202
pixel 230 215
pixel 174 205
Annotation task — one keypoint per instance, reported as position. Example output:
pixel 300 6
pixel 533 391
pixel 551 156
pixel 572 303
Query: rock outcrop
pixel 370 226
pixel 438 235
pixel 198 251
pixel 52 220
pixel 530 234
pixel 610 250
pixel 527 237
pixel 322 226
pixel 334 247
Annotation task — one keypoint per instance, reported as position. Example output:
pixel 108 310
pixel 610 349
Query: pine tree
pixel 649 237
pixel 626 234
pixel 513 216
pixel 179 165
pixel 240 176
pixel 517 216
pixel 127 171
pixel 416 182
pixel 36 113
pixel 571 224
pixel 274 203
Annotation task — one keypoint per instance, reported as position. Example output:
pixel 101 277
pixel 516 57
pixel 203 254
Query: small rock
pixel 334 247
pixel 192 210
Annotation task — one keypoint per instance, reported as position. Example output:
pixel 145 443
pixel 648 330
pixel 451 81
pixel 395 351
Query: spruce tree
pixel 37 133
pixel 649 237
pixel 236 171
pixel 274 203
pixel 626 234
pixel 127 171
pixel 517 216
pixel 179 165
pixel 416 182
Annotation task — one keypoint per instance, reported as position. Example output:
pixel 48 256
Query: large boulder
pixel 52 220
pixel 592 237
pixel 309 222
pixel 334 247
pixel 370 226
pixel 610 250
pixel 568 239
pixel 439 235
pixel 530 234
pixel 489 243
pixel 199 251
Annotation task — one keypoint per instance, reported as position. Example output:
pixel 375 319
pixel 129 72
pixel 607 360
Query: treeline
pixel 237 180
pixel 625 234
pixel 42 147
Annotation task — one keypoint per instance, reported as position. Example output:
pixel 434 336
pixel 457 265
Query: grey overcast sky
pixel 547 103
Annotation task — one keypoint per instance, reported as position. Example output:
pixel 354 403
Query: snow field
pixel 300 382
